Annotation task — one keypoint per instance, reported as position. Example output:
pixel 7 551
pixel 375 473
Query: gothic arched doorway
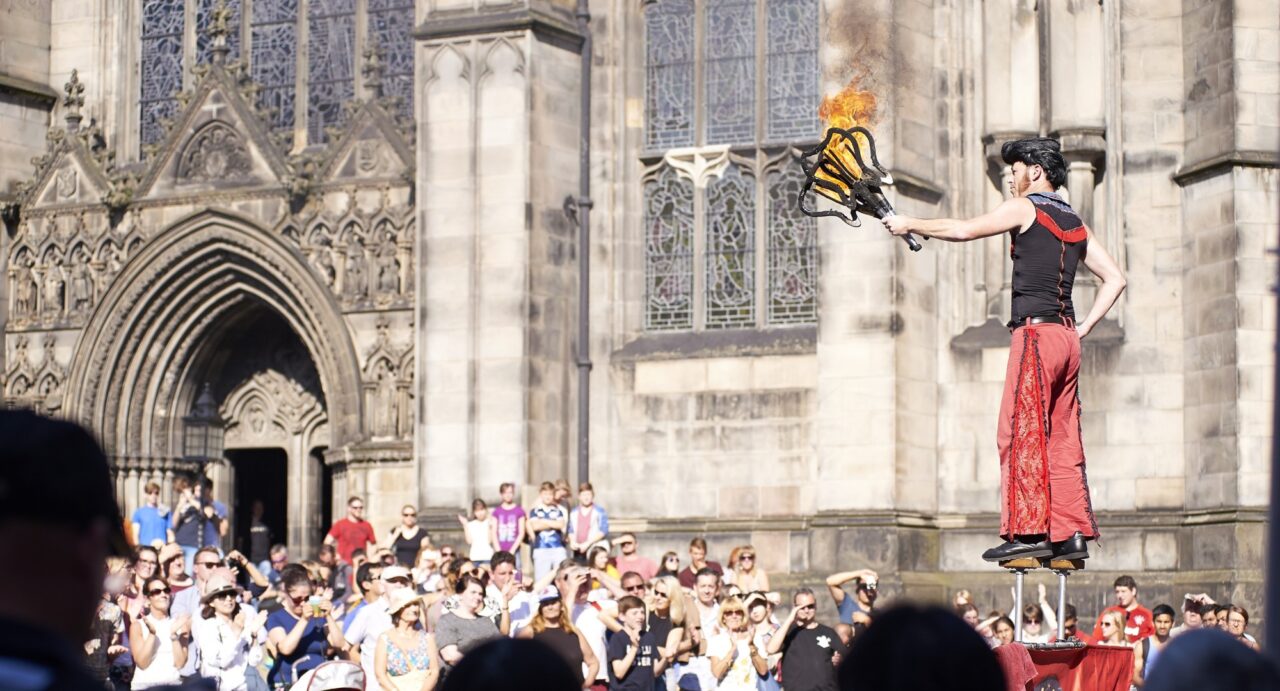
pixel 216 299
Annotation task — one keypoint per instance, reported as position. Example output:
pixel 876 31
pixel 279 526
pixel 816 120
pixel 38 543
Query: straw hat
pixel 393 572
pixel 401 599
pixel 217 585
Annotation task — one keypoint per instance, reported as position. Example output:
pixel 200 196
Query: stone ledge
pixel 1222 163
pixel 552 28
pixel 917 187
pixel 25 87
pixel 707 344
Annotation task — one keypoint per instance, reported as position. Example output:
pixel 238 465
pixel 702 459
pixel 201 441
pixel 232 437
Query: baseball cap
pixel 548 594
pixel 53 471
pixel 394 572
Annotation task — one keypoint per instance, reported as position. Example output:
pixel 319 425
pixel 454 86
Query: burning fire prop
pixel 844 167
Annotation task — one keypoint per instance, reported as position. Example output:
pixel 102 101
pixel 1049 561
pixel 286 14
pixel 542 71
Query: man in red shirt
pixel 1138 621
pixel 351 532
pixel 630 559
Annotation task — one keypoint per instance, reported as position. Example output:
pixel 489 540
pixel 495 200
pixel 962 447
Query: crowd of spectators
pixel 405 614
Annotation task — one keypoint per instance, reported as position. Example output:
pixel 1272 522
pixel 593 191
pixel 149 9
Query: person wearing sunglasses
pixel 745 572
pixel 669 566
pixel 735 660
pixel 228 635
pixel 159 642
pixel 810 651
pixel 150 522
pixel 206 562
pixel 303 630
pixel 351 532
pixel 408 539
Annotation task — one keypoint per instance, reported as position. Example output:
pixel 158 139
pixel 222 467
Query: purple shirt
pixel 508 525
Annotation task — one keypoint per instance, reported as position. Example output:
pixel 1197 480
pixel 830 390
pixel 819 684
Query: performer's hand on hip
pixel 899 225
pixel 1083 329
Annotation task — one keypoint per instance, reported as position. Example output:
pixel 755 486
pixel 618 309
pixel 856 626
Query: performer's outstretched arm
pixel 1014 214
pixel 1105 268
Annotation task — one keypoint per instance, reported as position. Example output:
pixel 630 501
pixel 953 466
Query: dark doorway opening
pixel 260 475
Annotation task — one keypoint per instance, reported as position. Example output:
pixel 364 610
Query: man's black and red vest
pixel 1045 258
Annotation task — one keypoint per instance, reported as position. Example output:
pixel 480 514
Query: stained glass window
pixel 792 252
pixel 792 71
pixel 204 9
pixel 668 223
pixel 161 62
pixel 391 25
pixel 274 31
pixel 730 80
pixel 669 56
pixel 731 223
pixel 743 73
pixel 331 78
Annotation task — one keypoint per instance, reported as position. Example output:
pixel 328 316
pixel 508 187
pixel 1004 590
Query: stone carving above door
pixel 269 408
pixel 388 386
pixel 216 153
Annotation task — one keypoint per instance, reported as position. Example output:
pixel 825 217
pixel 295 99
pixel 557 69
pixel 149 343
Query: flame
pixel 852 106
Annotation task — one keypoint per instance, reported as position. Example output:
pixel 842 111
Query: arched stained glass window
pixel 792 252
pixel 274 32
pixel 668 223
pixel 792 72
pixel 331 25
pixel 731 256
pixel 741 73
pixel 204 10
pixel 730 81
pixel 391 24
pixel 669 56
pixel 161 66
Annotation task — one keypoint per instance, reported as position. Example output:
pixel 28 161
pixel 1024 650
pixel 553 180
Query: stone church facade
pixel 346 218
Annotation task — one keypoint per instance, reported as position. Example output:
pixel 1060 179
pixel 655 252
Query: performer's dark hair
pixel 918 647
pixel 1163 609
pixel 1038 151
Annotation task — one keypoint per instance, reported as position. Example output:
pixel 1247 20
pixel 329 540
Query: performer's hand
pixel 1083 329
pixel 900 225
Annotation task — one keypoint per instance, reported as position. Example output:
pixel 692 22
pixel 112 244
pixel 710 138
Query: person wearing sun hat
pixel 406 658
pixel 229 635
pixel 374 619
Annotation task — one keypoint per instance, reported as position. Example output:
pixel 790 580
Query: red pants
pixel 1043 487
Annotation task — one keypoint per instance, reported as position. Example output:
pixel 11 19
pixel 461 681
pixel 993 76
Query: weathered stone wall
pixel 25 94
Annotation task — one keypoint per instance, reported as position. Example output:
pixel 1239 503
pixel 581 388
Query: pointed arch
pixel 173 292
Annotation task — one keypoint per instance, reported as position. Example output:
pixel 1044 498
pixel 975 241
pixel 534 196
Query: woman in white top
pixel 229 637
pixel 736 662
pixel 478 531
pixel 159 641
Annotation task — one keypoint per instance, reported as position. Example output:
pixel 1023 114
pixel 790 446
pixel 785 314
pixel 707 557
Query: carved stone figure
pixel 24 293
pixel 322 259
pixel 383 413
pixel 356 279
pixel 388 268
pixel 81 286
pixel 55 293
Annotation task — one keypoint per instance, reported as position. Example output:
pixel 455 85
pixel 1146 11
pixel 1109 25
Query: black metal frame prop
pixel 826 171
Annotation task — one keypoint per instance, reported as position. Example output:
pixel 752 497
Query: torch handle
pixel 908 238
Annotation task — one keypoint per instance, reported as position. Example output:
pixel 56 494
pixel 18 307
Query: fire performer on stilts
pixel 1045 510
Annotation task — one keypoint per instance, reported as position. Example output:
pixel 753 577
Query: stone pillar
pixel 496 283
pixel 1230 183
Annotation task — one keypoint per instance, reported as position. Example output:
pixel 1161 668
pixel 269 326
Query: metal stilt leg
pixel 1017 604
pixel 1062 603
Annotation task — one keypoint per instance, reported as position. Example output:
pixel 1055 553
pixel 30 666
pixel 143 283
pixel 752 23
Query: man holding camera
pixel 855 610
